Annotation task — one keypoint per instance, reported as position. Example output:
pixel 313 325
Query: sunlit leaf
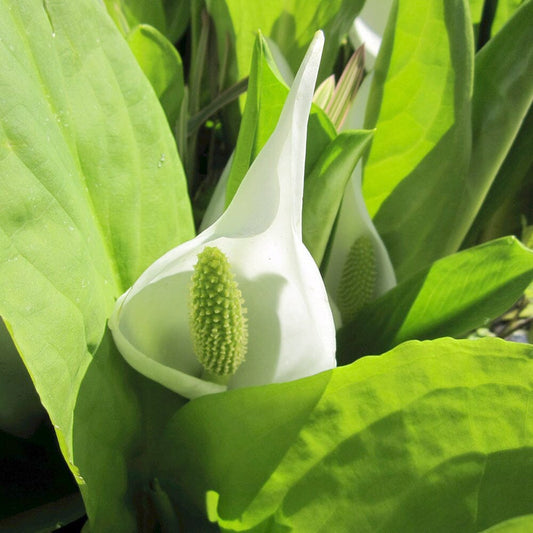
pixel 420 107
pixel 424 438
pixel 91 192
pixel 290 24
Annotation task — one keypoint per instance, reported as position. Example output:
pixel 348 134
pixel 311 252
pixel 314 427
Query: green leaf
pixel 503 93
pixel 420 107
pixel 324 188
pixel 518 524
pixel 476 10
pixel 130 13
pixel 509 198
pixel 290 24
pixel 264 101
pixel 504 11
pixel 489 16
pixel 91 191
pixel 424 438
pixel 117 417
pixel 456 294
pixel 178 13
pixel 162 65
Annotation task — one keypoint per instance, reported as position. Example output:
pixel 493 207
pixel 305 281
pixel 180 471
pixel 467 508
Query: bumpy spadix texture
pixel 354 220
pixel 291 333
pixel 358 282
pixel 218 325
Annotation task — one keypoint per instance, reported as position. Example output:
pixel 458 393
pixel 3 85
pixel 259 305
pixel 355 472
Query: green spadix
pixel 218 325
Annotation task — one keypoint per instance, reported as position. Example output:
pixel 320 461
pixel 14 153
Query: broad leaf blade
pixel 420 107
pixel 509 197
pixel 117 418
pixel 456 294
pixel 423 438
pixel 91 192
pixel 503 93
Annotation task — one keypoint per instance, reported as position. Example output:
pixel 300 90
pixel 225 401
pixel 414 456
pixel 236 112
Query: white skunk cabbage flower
pixel 245 297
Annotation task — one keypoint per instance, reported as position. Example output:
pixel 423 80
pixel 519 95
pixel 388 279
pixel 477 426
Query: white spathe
pixel 290 325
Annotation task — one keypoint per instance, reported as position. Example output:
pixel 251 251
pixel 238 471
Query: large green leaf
pixel 117 418
pixel 419 160
pixel 454 295
pixel 91 192
pixel 509 198
pixel 503 93
pixel 420 107
pixel 291 24
pixel 427 437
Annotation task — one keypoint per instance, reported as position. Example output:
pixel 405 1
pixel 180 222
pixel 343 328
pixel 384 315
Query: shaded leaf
pixel 509 198
pixel 130 13
pixel 177 13
pixel 503 93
